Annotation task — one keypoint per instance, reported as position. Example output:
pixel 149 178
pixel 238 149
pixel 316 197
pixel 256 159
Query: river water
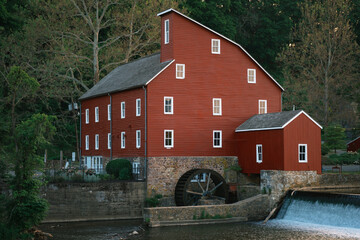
pixel 274 229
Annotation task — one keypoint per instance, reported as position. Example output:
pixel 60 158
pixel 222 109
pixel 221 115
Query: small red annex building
pixel 354 145
pixel 289 141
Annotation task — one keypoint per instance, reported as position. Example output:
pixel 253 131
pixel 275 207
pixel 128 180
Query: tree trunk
pixel 96 57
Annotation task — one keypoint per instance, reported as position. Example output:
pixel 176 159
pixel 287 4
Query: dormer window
pixel 215 46
pixel 166 31
pixel 251 76
pixel 180 71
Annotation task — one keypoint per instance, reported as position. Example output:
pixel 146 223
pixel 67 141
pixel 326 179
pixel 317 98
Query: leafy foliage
pixel 119 168
pixel 344 158
pixel 25 208
pixel 335 137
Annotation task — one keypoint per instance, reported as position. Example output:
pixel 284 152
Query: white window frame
pixel 172 139
pixel 300 153
pixel 122 109
pixel 171 105
pixel 123 135
pixel 86 142
pixel 220 139
pixel 96 114
pixel 167 31
pixel 202 178
pixel 248 75
pixel 138 107
pixel 138 138
pixel 96 141
pixel 180 74
pixel 109 140
pixel 213 41
pixel 109 112
pixel 87 116
pixel 262 101
pixel 136 167
pixel 259 153
pixel 214 107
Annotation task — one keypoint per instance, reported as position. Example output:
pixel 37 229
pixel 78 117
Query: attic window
pixel 215 46
pixel 262 106
pixel 251 76
pixel 180 71
pixel 166 32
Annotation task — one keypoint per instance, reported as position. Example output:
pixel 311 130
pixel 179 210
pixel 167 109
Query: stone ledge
pixel 196 222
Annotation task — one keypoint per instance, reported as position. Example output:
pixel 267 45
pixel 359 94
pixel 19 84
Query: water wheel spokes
pixel 199 184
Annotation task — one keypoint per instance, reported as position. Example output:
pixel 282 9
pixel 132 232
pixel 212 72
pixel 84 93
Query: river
pixel 274 229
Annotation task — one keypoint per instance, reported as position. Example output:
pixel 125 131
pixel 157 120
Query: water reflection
pixel 274 229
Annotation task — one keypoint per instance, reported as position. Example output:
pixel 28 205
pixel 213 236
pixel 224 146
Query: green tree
pixel 26 208
pixel 335 137
pixel 320 63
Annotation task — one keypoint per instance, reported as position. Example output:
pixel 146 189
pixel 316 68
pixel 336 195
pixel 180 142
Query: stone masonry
pixel 164 172
pixel 94 201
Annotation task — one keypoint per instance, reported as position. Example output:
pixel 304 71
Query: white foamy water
pixel 325 230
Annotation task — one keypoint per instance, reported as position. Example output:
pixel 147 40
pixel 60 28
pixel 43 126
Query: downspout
pixel 111 136
pixel 80 165
pixel 145 135
pixel 145 143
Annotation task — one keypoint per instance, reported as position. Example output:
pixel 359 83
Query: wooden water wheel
pixel 198 184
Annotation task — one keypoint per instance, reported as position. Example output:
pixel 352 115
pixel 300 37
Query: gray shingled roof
pixel 131 75
pixel 267 121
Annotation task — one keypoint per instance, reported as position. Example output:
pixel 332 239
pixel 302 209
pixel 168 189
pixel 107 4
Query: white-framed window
pixel 138 138
pixel 96 141
pixel 215 46
pixel 251 75
pixel 122 139
pixel 109 112
pixel 259 153
pixel 86 116
pixel 166 31
pixel 86 142
pixel 199 178
pixel 138 107
pixel 217 107
pixel 168 105
pixel 168 138
pixel 262 106
pixel 136 167
pixel 96 114
pixel 217 138
pixel 109 140
pixel 180 71
pixel 122 109
pixel 303 153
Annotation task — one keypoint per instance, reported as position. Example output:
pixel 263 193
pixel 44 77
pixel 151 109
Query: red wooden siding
pixel 129 124
pixel 302 131
pixel 207 76
pixel 273 150
pixel 167 49
pixel 354 145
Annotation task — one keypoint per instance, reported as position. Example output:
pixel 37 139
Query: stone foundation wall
pixel 277 183
pixel 252 209
pixel 94 201
pixel 164 172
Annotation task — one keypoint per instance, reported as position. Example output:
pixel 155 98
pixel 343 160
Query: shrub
pixel 114 167
pixel 105 177
pixel 153 201
pixel 125 174
pixel 324 149
pixel 77 178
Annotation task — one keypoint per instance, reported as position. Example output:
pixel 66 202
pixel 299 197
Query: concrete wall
pixel 164 172
pixel 94 201
pixel 252 209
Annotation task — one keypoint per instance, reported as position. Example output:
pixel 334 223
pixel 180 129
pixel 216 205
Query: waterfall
pixel 338 210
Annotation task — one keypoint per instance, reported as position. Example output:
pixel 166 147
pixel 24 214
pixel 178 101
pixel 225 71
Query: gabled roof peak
pixel 271 121
pixel 222 36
